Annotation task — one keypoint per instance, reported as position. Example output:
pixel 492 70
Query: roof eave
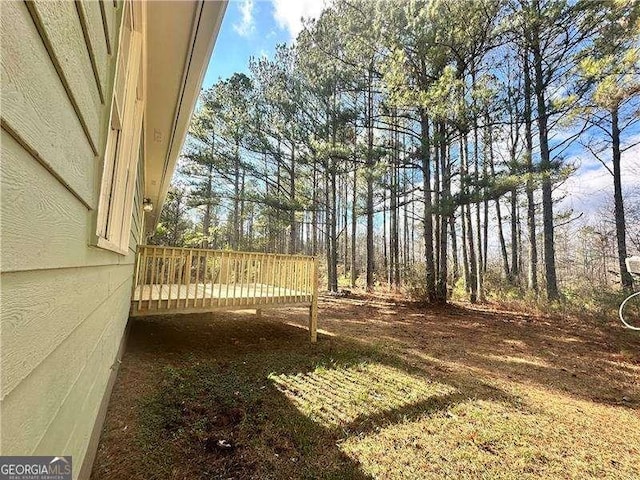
pixel 180 39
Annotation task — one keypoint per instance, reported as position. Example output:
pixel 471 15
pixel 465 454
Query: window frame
pixel 125 134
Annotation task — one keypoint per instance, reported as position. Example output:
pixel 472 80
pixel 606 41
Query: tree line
pixel 397 133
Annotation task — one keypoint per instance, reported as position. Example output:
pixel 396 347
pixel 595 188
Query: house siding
pixel 64 303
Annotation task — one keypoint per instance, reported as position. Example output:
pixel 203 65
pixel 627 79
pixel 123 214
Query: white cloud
pixel 592 185
pixel 288 14
pixel 246 25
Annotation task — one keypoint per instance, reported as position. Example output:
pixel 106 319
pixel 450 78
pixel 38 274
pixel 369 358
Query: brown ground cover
pixel 391 390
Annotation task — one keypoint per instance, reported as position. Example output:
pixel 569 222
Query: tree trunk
pixel 466 218
pixel 532 276
pixel 385 255
pixel 393 220
pixel 428 219
pixel 546 170
pixel 394 210
pixel 236 199
pixel 443 213
pixel 454 248
pixel 242 209
pixel 354 225
pixel 327 231
pixel 465 251
pixel 485 224
pixel 476 177
pixel 369 174
pixel 206 220
pixel 314 213
pixel 345 219
pixel 435 199
pixel 515 271
pixel 293 233
pixel 503 246
pixel 625 276
pixel 333 258
pixel 413 220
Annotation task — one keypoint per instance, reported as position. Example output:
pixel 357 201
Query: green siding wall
pixel 64 303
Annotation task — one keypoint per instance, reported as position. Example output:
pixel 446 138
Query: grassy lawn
pixel 391 390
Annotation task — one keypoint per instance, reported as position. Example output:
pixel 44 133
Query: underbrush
pixel 414 282
pixel 576 299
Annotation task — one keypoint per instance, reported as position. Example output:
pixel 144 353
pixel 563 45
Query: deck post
pixel 313 309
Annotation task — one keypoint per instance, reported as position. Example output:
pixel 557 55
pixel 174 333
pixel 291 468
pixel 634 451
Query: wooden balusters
pixel 313 309
pixel 254 276
pixel 204 278
pixel 164 276
pixel 243 276
pixel 170 277
pixel 214 262
pixel 272 281
pixel 173 279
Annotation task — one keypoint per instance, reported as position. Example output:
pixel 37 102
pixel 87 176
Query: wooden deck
pixel 218 291
pixel 176 298
pixel 171 280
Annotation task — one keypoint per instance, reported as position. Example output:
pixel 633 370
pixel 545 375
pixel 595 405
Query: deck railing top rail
pixel 239 252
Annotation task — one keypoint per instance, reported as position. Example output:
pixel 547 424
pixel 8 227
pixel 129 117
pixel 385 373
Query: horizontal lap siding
pixel 35 403
pixel 43 225
pixel 37 109
pixel 31 300
pixel 64 303
pixel 60 28
pixel 91 16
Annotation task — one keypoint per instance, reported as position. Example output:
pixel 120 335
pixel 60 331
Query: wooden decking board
pixel 217 290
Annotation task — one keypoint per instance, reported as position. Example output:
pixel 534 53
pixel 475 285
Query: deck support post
pixel 313 309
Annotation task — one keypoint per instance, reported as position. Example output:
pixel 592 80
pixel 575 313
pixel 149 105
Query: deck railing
pixel 182 280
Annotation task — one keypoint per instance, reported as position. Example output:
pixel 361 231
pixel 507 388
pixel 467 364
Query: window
pixel 122 149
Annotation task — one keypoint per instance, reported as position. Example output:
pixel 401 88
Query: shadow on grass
pixel 242 397
pixel 590 359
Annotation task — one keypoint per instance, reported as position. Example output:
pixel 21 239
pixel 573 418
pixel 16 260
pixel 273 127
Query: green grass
pixel 352 415
pixel 242 402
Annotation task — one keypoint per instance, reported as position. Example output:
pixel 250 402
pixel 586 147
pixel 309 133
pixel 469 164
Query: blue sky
pixel 254 28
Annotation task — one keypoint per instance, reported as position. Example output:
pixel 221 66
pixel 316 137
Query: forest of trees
pixel 425 141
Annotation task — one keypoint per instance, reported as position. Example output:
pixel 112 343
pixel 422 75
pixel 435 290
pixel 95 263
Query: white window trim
pixel 122 150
